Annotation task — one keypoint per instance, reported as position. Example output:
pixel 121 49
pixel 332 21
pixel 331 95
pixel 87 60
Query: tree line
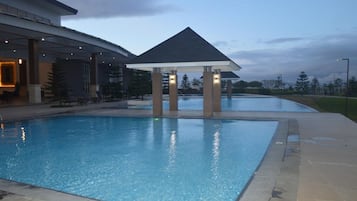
pixel 303 85
pixel 337 87
pixel 140 84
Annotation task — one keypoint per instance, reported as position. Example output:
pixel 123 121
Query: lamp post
pixel 347 91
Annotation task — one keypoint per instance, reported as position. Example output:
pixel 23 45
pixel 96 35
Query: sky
pixel 266 38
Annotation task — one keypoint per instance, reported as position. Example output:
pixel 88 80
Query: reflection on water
pixel 2 125
pixel 23 134
pixel 172 150
pixel 215 151
pixel 244 104
pixel 136 158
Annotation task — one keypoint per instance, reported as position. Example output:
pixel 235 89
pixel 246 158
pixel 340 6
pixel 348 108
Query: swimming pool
pixel 263 103
pixel 113 158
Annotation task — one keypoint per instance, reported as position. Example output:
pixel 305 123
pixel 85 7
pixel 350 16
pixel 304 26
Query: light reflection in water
pixel 2 129
pixel 215 151
pixel 23 134
pixel 172 150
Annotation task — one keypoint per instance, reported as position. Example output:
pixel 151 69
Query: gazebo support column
pixel 94 87
pixel 207 91
pixel 173 91
pixel 156 92
pixel 34 88
pixel 229 88
pixel 217 91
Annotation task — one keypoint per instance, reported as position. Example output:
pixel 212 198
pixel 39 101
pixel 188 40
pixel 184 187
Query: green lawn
pixel 328 104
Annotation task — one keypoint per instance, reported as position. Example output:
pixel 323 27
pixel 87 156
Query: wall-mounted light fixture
pixel 172 79
pixel 216 78
pixel 20 61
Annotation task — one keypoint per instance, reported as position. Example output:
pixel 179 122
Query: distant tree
pixel 338 84
pixel 352 86
pixel 56 87
pixel 279 82
pixel 196 82
pixel 185 83
pixel 139 83
pixel 315 85
pixel 255 84
pixel 302 83
pixel 291 88
pixel 112 90
pixel 240 84
pixel 329 89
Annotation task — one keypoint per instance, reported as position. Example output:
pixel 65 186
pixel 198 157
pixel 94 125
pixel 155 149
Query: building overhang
pixel 56 41
pixel 186 66
pixel 62 8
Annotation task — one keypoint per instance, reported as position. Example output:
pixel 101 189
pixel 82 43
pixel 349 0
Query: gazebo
pixel 185 52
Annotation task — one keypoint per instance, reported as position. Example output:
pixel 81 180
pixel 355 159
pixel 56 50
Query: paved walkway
pixel 325 156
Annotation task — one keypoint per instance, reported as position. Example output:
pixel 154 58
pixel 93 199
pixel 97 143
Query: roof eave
pixel 186 66
pixel 67 9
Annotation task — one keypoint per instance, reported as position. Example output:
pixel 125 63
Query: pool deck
pixel 321 165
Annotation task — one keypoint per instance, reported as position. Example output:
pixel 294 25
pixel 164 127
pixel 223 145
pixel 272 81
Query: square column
pixel 34 88
pixel 173 91
pixel 207 92
pixel 217 91
pixel 156 92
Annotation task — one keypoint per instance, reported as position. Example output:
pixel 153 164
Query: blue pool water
pixel 112 158
pixel 271 104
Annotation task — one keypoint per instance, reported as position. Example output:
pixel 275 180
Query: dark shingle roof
pixel 229 75
pixel 186 46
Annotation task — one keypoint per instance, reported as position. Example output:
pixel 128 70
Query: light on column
pixel 216 78
pixel 172 79
pixel 20 61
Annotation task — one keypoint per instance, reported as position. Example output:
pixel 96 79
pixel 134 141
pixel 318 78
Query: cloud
pixel 284 40
pixel 220 43
pixel 317 59
pixel 116 8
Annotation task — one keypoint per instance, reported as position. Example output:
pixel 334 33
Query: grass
pixel 328 104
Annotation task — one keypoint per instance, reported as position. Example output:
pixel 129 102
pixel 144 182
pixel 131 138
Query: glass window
pixel 7 74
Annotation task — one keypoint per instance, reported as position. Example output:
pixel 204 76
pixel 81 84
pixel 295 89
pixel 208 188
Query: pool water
pixel 271 104
pixel 113 158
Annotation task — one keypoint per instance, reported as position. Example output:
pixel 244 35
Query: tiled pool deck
pixel 317 163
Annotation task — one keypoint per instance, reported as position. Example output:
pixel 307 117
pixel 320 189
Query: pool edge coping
pixel 14 190
pixel 276 178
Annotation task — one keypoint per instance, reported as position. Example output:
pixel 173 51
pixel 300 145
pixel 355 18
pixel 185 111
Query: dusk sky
pixel 266 38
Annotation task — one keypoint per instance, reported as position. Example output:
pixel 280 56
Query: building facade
pixel 32 41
